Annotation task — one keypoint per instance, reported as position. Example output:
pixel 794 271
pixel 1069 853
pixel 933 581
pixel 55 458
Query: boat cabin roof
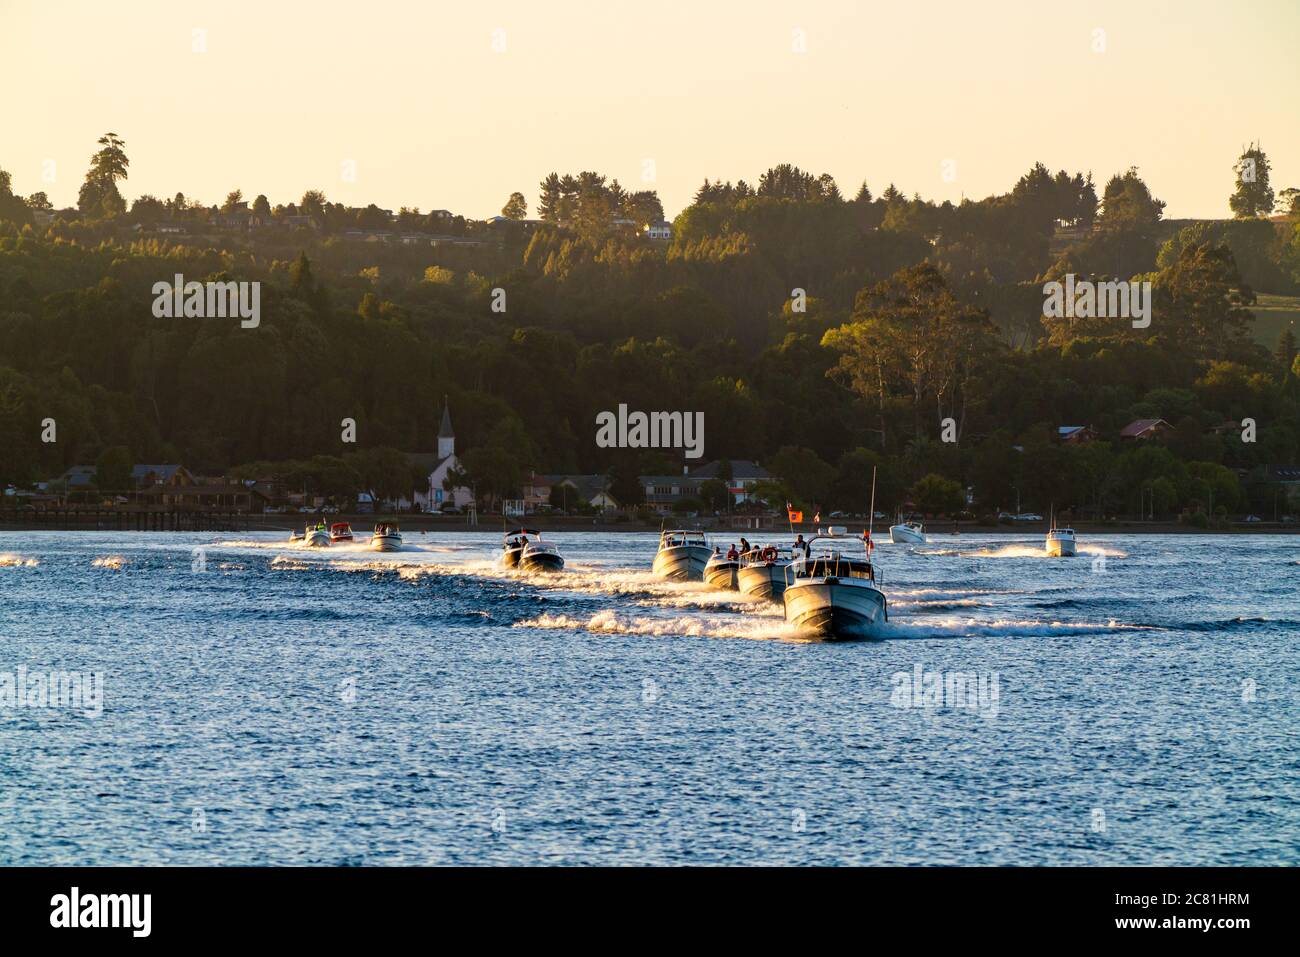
pixel 341 525
pixel 514 533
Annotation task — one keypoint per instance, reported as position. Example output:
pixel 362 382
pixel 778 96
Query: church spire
pixel 446 437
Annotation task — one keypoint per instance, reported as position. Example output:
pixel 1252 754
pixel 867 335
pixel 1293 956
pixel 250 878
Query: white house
pixel 660 230
pixel 447 460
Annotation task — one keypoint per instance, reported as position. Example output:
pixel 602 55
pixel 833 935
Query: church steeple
pixel 446 437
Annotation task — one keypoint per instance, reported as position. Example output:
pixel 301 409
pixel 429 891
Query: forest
pixel 821 334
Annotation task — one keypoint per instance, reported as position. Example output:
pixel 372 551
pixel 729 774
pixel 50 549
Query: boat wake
pixel 10 560
pixel 609 622
pixel 907 628
pixel 115 562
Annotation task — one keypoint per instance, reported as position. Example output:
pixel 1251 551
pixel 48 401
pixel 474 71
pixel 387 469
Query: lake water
pixel 266 704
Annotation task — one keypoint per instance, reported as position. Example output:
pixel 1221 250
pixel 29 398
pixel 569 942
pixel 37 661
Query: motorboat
pixel 386 537
pixel 762 572
pixel 832 589
pixel 295 535
pixel 316 536
pixel 1061 542
pixel 540 556
pixel 720 570
pixel 513 543
pixel 340 532
pixel 907 533
pixel 682 554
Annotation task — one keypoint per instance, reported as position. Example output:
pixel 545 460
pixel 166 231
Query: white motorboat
pixel 1061 542
pixel 833 590
pixel 386 537
pixel 762 572
pixel 907 533
pixel 720 571
pixel 540 556
pixel 682 555
pixel 316 536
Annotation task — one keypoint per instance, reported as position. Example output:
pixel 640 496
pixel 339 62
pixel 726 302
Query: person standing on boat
pixel 744 545
pixel 800 544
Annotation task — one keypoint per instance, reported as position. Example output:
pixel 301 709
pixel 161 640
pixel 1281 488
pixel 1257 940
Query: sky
pixel 456 105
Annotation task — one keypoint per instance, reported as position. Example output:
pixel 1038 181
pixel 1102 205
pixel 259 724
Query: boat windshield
pixel 679 537
pixel 838 557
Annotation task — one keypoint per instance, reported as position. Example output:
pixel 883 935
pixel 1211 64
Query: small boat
pixel 513 543
pixel 540 556
pixel 682 555
pixel 720 571
pixel 340 532
pixel 1061 542
pixel 295 535
pixel 833 591
pixel 316 536
pixel 907 533
pixel 386 537
pixel 762 572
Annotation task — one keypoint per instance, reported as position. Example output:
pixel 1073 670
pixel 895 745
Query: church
pixel 439 466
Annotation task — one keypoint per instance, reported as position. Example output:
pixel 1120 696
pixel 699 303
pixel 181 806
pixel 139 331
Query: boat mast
pixel 871 512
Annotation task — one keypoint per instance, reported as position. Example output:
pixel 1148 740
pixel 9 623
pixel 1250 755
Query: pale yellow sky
pixel 431 115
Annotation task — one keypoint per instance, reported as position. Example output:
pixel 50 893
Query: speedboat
pixel 513 544
pixel 907 533
pixel 1061 543
pixel 386 538
pixel 682 554
pixel 720 571
pixel 316 536
pixel 762 572
pixel 340 532
pixel 832 590
pixel 540 556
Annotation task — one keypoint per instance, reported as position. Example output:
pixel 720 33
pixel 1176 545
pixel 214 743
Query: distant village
pixel 174 487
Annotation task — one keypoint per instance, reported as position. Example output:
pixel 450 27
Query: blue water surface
pixel 267 704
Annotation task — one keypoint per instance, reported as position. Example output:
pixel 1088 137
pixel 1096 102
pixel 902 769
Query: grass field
pixel 1272 314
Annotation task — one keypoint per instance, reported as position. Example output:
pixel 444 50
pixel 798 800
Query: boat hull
pixel 386 543
pixel 721 575
pixel 317 540
pixel 835 609
pixel 762 581
pixel 542 562
pixel 903 535
pixel 682 562
pixel 1061 548
pixel 510 557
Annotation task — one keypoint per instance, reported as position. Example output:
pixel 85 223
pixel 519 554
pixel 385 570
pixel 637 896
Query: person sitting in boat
pixel 732 554
pixel 717 550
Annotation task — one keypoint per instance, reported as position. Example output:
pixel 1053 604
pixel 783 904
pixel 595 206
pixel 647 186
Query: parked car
pixel 1252 518
pixel 451 510
pixel 1029 517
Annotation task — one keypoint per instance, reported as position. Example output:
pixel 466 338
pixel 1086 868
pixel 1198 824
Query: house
pixel 662 492
pixel 660 230
pixel 1075 434
pixel 298 221
pixel 744 474
pixel 144 476
pixel 439 467
pixel 1142 430
pixel 78 478
pixel 593 489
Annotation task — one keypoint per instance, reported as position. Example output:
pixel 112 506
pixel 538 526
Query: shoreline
pixel 457 525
